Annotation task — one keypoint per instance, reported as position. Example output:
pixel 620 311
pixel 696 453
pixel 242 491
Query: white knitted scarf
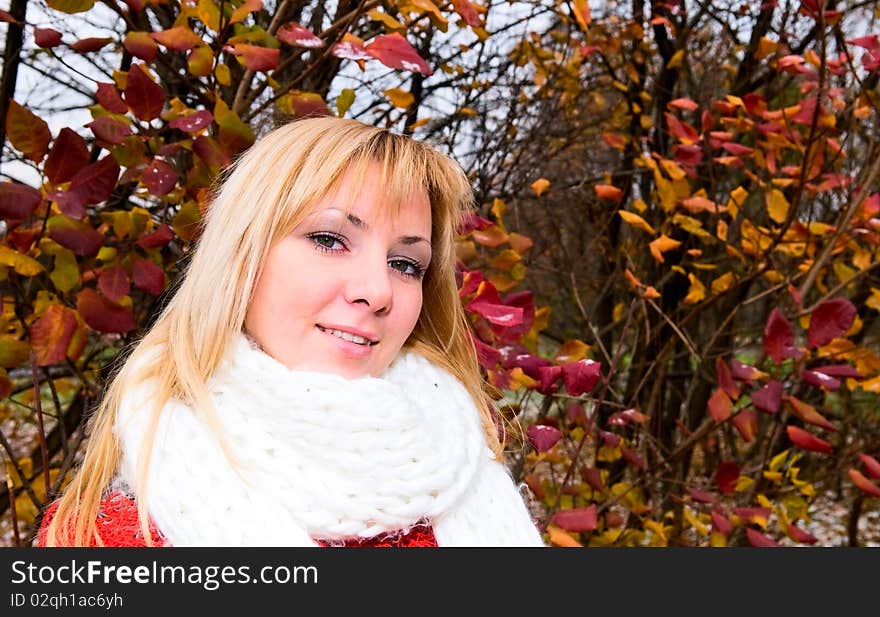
pixel 323 457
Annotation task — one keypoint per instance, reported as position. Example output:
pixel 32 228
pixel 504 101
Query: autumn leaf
pixel 872 465
pixel 807 441
pixel 609 192
pixel 179 38
pixel 543 437
pixel 576 519
pixel 102 315
pixel 696 292
pixel 560 537
pixel 830 319
pixel 636 221
pixel 294 34
pixel 769 397
pixel 720 405
pixel 47 37
pixel 726 476
pixel 863 483
pixel 399 97
pixel 50 335
pixel 807 413
pixel 27 132
pixel 777 205
pixel 256 58
pixel 141 45
pixel 746 424
pixel 108 97
pixel 395 52
pixel 540 185
pixel 18 201
pixel 148 276
pixel 109 129
pixel 159 177
pixel 581 376
pixel 90 44
pixel 779 337
pixel 661 245
pixel 144 97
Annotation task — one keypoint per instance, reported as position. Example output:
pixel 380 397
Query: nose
pixel 369 282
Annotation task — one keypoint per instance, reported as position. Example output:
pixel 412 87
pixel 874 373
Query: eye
pixel 407 268
pixel 326 241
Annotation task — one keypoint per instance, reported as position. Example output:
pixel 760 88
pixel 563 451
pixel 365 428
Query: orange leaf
pixel 559 537
pixel 609 191
pixel 540 185
pixel 863 483
pixel 807 441
pixel 661 245
pixel 807 413
pixel 720 406
pixel 683 103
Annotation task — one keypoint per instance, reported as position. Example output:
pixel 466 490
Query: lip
pixel 362 333
pixel 347 348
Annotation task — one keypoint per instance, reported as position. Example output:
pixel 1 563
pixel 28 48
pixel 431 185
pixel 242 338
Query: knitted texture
pixel 118 526
pixel 319 457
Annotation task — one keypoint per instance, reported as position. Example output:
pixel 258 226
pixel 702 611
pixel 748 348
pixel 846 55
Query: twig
pixel 44 451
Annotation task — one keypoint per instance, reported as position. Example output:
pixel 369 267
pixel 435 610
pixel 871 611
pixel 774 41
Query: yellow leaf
pixel 676 59
pixel 640 205
pixel 505 260
pixel 426 6
pixel 21 263
pixel 344 101
pixel 468 111
pixel 390 23
pixel 560 537
pixel 737 199
pixel 540 185
pixel 661 245
pixel 209 14
pixel 399 97
pixel 666 192
pixel 695 522
pixel 223 75
pixel 519 242
pixel 658 529
pixel 571 350
pixel 722 283
pixel 498 208
pixel 671 167
pixel 873 300
pixel 697 292
pixel 636 221
pixel 765 48
pixel 777 205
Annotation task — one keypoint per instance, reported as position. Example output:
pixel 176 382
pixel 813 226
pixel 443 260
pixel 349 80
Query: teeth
pixel 347 336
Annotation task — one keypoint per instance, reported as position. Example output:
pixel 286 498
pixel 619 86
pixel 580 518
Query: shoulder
pixel 117 524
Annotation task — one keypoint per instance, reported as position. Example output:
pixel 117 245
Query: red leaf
pixel 109 129
pixel 609 438
pixel 594 478
pixel 17 201
pixel 863 483
pixel 872 465
pixel 159 177
pixel 779 337
pixel 47 37
pixel 69 155
pixel 6 17
pixel 193 123
pixel 160 237
pixel 350 50
pixel 102 315
pixel 807 441
pixel 108 97
pixel 548 376
pixel 257 58
pixel 51 334
pixel 799 535
pixel 96 182
pixel 726 476
pixel 543 437
pixel 488 356
pixel 576 414
pixel 85 46
pixel 808 413
pixel 70 203
pixel 113 283
pixel 468 13
pixel 753 515
pixel 721 523
pixel 141 45
pixel 829 320
pixel 576 519
pixel 207 149
pixel 868 42
pixel 144 96
pixel 725 379
pixel 720 406
pixel 148 276
pixel 768 398
pixel 742 372
pixel 394 51
pixel 821 380
pixel 294 34
pixel 758 539
pixel 581 376
pixel 77 236
pixel 633 458
pixel 838 370
pixel 683 104
pixel 746 423
pixel 681 130
pixel 622 418
pixel 737 149
pixel 701 496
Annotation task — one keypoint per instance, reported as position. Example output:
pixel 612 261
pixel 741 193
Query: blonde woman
pixel 312 381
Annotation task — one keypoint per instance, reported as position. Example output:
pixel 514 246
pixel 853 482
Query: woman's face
pixel 342 294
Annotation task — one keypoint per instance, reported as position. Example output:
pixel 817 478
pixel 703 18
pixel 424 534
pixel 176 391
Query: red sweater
pixel 118 526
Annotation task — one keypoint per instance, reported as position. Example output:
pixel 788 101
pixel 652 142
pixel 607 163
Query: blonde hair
pixel 264 196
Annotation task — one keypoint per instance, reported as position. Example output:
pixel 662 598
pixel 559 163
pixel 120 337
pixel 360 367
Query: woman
pixel 312 381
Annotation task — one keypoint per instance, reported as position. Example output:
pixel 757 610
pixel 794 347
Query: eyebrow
pixel 360 224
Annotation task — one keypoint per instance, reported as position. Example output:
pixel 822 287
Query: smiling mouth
pixel 347 336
